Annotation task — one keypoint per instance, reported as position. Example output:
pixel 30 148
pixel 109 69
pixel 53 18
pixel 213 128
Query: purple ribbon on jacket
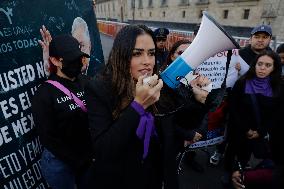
pixel 146 126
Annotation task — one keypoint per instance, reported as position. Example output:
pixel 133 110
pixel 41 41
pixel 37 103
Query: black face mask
pixel 72 69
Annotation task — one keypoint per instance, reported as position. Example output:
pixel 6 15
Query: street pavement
pixel 209 179
pixel 189 179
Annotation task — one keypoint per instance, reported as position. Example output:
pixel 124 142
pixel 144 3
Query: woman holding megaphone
pixel 133 133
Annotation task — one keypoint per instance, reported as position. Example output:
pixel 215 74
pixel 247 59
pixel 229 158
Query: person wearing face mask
pixel 80 31
pixel 60 116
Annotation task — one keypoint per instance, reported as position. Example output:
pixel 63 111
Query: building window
pixel 164 14
pixel 225 14
pixel 150 4
pixel 113 7
pixel 140 14
pixel 140 5
pixel 184 3
pixel 202 2
pixel 133 4
pixel 200 14
pixel 150 14
pixel 183 14
pixel 163 3
pixel 246 14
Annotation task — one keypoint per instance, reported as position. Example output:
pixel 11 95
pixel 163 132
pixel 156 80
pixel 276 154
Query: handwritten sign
pixel 215 68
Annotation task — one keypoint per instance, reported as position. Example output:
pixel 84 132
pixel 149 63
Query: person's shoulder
pixel 99 85
pixel 245 49
pixel 42 93
pixel 46 88
pixel 83 79
pixel 43 87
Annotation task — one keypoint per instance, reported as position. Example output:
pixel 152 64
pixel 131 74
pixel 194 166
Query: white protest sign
pixel 215 68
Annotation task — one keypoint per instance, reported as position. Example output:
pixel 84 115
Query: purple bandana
pixel 259 86
pixel 146 126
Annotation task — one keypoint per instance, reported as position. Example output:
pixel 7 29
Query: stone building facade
pixel 238 16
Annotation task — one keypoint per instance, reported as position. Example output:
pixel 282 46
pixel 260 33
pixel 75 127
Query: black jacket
pixel 63 126
pixel 118 151
pixel 248 54
pixel 161 57
pixel 243 117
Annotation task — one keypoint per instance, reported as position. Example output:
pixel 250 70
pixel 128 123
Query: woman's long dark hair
pixel 275 75
pixel 118 65
pixel 172 51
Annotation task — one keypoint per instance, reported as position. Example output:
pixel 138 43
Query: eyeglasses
pixel 180 52
pixel 162 39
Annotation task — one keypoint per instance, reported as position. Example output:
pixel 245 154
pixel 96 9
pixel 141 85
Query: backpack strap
pixel 68 93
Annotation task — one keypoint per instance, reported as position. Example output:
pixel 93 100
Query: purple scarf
pixel 259 86
pixel 146 126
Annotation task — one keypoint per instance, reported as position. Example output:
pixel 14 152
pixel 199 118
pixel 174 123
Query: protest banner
pixel 215 68
pixel 22 70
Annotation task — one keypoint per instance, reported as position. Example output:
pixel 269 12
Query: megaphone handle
pixel 229 56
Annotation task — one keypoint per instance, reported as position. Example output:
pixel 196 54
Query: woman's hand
pixel 238 66
pixel 196 138
pixel 44 43
pixel 237 180
pixel 251 134
pixel 197 84
pixel 148 93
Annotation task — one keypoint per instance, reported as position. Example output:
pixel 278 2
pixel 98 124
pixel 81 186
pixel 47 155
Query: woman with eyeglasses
pixel 255 101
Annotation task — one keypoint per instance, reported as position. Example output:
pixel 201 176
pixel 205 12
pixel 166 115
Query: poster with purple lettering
pixel 22 70
pixel 215 69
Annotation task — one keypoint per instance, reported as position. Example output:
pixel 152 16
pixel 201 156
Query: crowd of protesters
pixel 124 128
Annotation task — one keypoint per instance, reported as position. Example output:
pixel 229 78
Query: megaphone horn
pixel 210 40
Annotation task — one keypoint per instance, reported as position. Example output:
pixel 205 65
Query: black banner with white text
pixel 22 70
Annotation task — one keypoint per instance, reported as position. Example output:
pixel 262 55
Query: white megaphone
pixel 210 40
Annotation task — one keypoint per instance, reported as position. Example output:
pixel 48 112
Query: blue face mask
pixel 72 68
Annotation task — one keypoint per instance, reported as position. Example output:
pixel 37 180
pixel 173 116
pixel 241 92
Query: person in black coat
pixel 131 117
pixel 255 102
pixel 61 120
pixel 189 133
pixel 161 41
pixel 259 42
